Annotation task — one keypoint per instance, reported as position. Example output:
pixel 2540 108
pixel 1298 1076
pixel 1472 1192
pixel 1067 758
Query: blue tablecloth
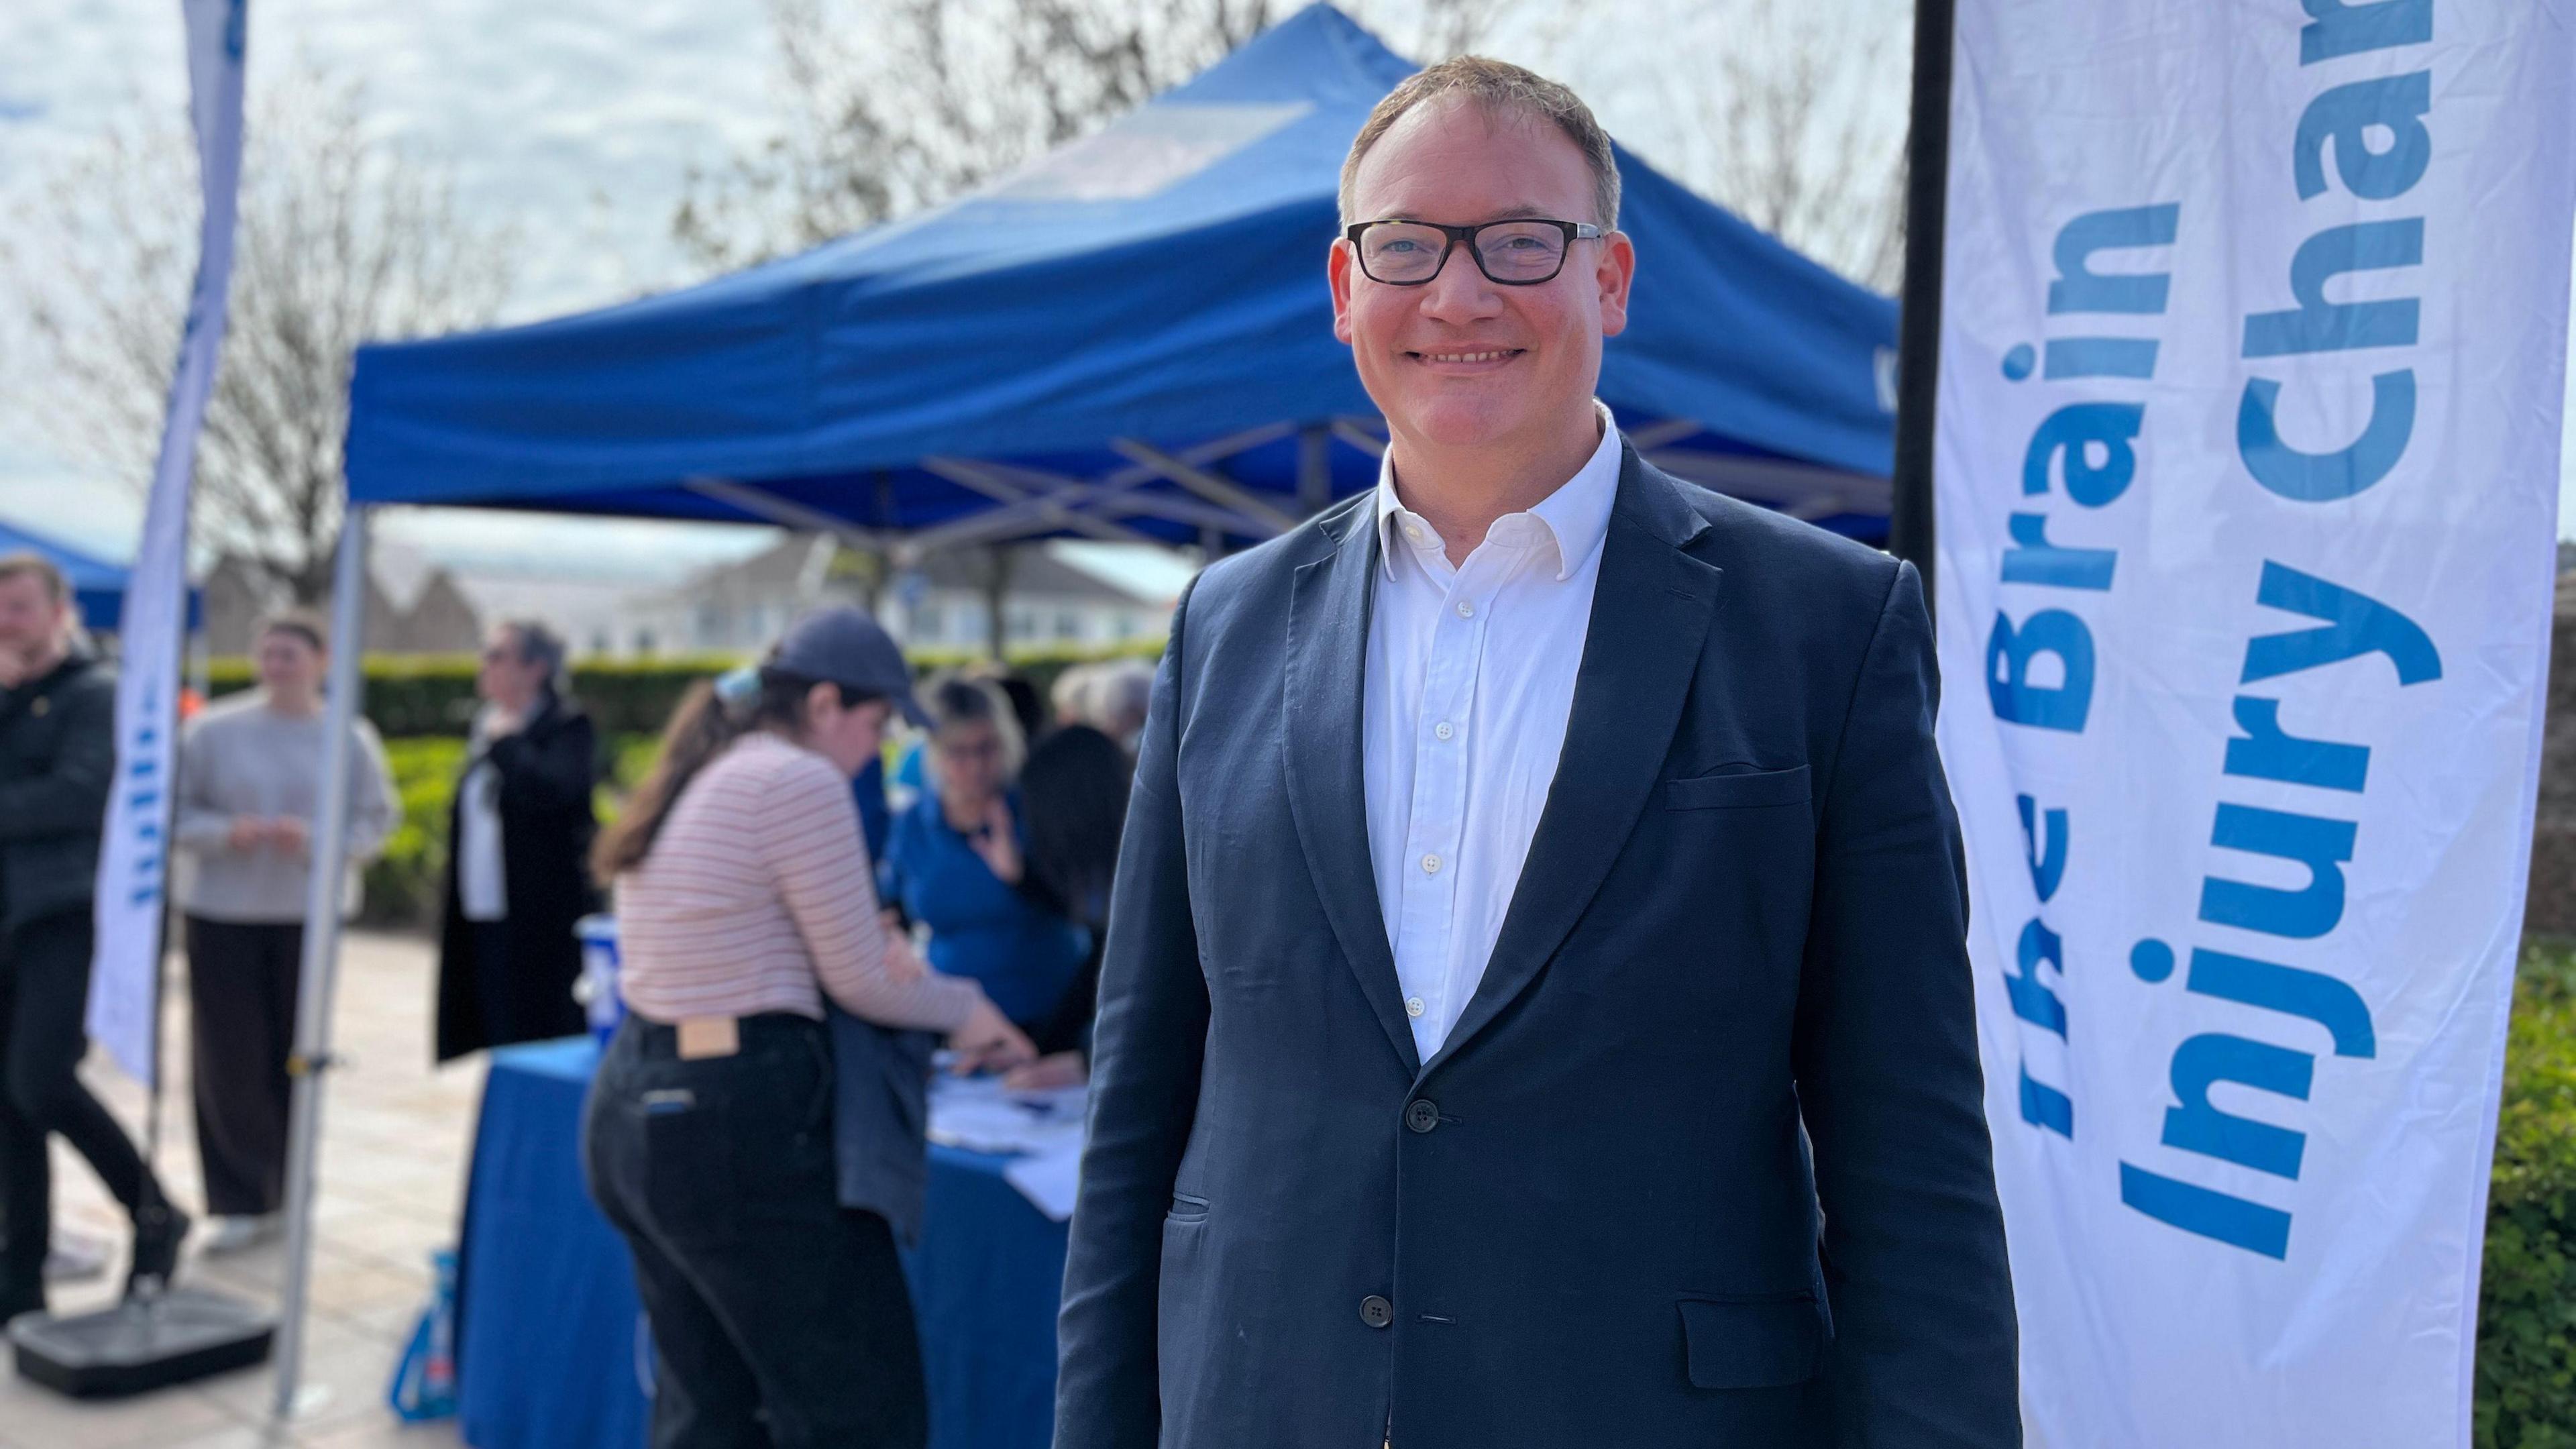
pixel 553 1353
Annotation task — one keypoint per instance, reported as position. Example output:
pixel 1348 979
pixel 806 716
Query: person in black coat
pixel 519 837
pixel 57 759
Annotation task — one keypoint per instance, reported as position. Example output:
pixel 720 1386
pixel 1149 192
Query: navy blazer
pixel 1592 1220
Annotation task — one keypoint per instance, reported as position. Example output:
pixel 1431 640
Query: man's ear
pixel 1618 269
pixel 1337 272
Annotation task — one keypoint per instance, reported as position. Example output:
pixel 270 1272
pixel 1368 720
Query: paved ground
pixel 395 1135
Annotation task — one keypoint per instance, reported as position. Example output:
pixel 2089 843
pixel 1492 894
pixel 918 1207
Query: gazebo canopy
pixel 1129 339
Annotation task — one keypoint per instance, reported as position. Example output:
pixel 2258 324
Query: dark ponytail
pixel 711 716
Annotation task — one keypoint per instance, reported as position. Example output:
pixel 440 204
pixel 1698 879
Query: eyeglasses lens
pixel 1407 253
pixel 1520 252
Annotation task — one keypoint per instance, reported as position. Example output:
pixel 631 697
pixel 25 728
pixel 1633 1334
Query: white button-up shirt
pixel 1470 682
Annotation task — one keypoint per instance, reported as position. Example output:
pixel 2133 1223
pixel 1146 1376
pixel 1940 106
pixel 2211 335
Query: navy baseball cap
pixel 839 644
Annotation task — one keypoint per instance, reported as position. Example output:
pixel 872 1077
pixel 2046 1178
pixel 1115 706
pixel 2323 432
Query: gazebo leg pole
pixel 311 1057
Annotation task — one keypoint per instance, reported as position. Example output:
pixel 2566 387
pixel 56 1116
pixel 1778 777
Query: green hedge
pixel 403 882
pixel 433 694
pixel 2526 1384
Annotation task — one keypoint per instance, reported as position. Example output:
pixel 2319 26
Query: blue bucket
pixel 597 988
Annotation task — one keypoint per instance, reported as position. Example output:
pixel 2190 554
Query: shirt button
pixel 1413 1006
pixel 1466 610
pixel 1430 865
pixel 1413 533
pixel 1444 729
pixel 1376 1312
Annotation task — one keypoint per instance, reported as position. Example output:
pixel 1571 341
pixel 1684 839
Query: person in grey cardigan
pixel 248 780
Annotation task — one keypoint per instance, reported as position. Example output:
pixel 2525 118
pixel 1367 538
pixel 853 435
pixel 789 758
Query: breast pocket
pixel 1738 790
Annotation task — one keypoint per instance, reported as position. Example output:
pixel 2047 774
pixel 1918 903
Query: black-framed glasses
pixel 1522 252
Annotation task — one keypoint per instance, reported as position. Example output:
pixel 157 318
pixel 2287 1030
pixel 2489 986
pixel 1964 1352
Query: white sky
pixel 577 120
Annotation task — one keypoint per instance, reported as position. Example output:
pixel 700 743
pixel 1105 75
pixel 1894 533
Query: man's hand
pixel 289 835
pixel 247 832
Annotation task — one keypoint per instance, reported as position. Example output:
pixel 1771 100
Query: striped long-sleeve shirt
pixel 756 897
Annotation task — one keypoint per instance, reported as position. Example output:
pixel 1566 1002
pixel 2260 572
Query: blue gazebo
pixel 1129 339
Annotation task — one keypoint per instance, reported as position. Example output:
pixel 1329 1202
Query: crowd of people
pixel 746 873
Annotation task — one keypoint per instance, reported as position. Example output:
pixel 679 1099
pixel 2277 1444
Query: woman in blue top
pixel 956 856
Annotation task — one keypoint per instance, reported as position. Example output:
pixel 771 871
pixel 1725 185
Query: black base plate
pixel 184 1335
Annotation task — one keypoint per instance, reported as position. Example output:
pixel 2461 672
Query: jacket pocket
pixel 1186 1209
pixel 1752 1343
pixel 1737 791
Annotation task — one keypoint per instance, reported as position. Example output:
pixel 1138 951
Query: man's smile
pixel 1463 359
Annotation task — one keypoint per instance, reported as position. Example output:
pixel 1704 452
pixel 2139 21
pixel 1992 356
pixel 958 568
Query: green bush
pixel 2526 1377
pixel 433 694
pixel 403 883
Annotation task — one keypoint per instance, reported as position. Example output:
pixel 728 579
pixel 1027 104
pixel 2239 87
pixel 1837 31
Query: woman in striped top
pixel 743 900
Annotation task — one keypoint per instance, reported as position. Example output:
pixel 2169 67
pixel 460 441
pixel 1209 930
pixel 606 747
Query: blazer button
pixel 1422 1116
pixel 1376 1312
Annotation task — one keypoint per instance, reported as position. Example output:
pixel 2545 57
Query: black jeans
pixel 779 1318
pixel 243 979
pixel 44 989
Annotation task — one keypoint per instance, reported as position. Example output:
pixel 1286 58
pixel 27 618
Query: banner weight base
pixel 135 1347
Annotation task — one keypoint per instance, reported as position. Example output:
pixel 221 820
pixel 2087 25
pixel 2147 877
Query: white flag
pixel 2254 326
pixel 134 863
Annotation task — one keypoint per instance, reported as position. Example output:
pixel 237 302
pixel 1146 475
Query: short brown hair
pixel 304 624
pixel 30 564
pixel 1503 88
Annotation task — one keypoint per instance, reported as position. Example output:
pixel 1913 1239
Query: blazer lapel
pixel 1650 616
pixel 1328 624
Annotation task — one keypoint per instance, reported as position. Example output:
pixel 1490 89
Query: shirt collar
pixel 1576 516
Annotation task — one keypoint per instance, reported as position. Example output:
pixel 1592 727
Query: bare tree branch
pixel 342 238
pixel 1795 121
pixel 894 105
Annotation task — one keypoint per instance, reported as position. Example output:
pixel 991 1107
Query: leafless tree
pixel 892 105
pixel 342 238
pixel 1792 115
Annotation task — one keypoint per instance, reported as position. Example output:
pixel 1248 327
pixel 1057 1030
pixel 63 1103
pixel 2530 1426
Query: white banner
pixel 133 867
pixel 2254 328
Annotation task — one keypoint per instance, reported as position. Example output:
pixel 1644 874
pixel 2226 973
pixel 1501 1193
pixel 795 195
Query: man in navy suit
pixel 1535 1010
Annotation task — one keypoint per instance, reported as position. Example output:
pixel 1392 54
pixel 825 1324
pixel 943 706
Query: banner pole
pixel 311 1059
pixel 1918 342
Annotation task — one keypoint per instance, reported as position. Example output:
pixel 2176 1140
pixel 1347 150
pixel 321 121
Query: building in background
pixel 942 604
pixel 414 606
pixel 1048 601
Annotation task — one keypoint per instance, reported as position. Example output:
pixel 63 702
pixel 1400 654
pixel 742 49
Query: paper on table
pixel 979 1115
pixel 1049 1179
